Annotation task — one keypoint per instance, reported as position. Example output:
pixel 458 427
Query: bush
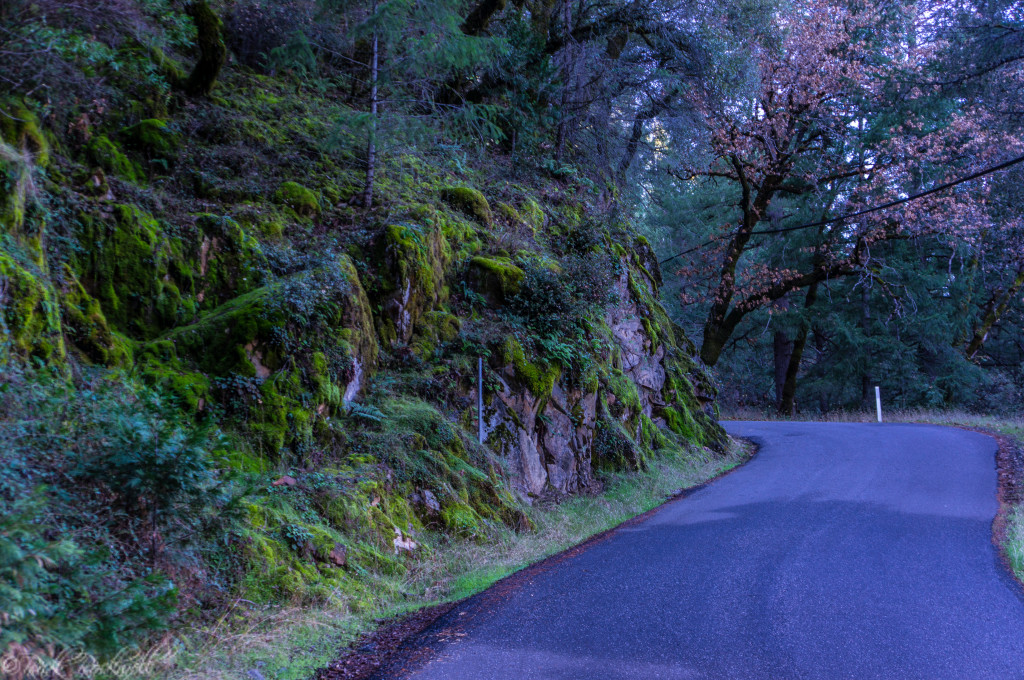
pixel 107 489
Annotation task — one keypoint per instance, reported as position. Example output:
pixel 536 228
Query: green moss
pixel 508 213
pixel 87 329
pixel 434 328
pixel 681 422
pixel 29 311
pixel 298 198
pixel 469 201
pixel 20 128
pixel 650 435
pixel 225 261
pixel 191 389
pixel 106 155
pixel 627 397
pixel 153 138
pixel 532 213
pixel 614 448
pixel 170 69
pixel 15 183
pixel 265 220
pixel 135 271
pixel 461 520
pixel 538 377
pixel 417 257
pixel 498 278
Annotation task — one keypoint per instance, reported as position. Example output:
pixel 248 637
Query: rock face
pixel 642 394
pixel 202 309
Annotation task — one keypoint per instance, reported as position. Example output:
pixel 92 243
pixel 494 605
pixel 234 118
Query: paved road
pixel 840 551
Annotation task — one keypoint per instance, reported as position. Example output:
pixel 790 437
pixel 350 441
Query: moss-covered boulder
pixel 434 329
pixel 227 261
pixel 538 375
pixel 287 354
pixel 417 258
pixel 29 310
pixel 298 198
pixel 154 139
pixel 103 153
pixel 15 182
pixel 20 129
pixel 469 201
pixel 23 149
pixel 142 278
pixel 86 327
pixel 496 278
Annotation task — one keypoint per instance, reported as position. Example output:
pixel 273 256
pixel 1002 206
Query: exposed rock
pixel 403 542
pixel 338 555
pixel 546 428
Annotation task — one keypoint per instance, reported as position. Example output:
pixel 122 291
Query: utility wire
pixel 933 190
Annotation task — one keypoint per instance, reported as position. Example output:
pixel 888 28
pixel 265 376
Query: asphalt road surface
pixel 840 551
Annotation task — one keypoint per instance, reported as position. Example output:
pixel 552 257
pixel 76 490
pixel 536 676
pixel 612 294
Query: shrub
pixel 106 487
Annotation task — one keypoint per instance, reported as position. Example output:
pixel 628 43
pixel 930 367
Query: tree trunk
pixel 212 51
pixel 481 15
pixel 783 346
pixel 865 325
pixel 570 76
pixel 371 145
pixel 787 400
pixel 994 309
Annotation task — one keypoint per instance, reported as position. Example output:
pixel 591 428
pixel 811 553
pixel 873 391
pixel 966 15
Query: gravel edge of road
pixel 380 650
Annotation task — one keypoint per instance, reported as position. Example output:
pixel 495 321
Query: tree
pixel 836 122
pixel 212 51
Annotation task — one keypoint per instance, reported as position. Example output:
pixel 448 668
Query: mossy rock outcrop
pixel 20 129
pixel 106 155
pixel 140 277
pixel 434 330
pixel 29 310
pixel 154 139
pixel 469 201
pixel 276 347
pixel 496 278
pixel 148 281
pixel 297 197
pixel 23 149
pixel 227 260
pixel 417 258
pixel 87 329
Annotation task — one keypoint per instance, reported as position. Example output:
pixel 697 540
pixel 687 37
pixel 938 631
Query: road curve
pixel 840 551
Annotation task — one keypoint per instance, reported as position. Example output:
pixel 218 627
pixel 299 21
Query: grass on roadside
pixel 292 643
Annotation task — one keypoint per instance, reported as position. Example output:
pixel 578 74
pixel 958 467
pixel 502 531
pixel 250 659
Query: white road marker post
pixel 480 399
pixel 878 403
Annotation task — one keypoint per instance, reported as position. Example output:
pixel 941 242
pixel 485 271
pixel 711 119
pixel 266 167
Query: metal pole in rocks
pixel 480 399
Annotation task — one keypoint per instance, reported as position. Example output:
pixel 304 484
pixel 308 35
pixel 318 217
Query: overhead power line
pixel 914 197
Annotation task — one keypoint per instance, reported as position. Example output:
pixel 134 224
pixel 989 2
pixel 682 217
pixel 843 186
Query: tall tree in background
pixel 835 124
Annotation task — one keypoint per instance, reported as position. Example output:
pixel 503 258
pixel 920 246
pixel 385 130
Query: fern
pixel 366 412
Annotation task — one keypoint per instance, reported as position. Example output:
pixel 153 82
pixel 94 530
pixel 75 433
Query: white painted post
pixel 878 403
pixel 480 399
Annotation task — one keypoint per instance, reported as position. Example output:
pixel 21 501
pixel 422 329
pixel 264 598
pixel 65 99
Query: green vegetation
pixel 293 643
pixel 245 278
